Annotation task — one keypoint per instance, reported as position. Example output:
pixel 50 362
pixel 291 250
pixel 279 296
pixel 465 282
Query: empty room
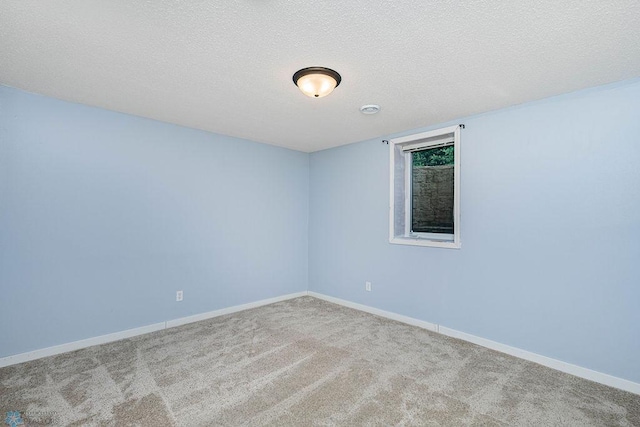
pixel 265 212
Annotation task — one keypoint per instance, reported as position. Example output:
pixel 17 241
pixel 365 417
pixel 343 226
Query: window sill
pixel 424 242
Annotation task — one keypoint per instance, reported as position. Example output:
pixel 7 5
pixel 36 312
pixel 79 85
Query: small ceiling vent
pixel 369 109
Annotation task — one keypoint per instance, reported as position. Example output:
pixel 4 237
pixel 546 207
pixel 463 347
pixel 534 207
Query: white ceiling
pixel 226 66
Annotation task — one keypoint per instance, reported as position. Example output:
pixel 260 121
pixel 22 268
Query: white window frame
pixel 400 182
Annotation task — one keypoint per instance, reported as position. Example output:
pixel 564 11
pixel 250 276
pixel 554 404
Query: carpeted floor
pixel 303 362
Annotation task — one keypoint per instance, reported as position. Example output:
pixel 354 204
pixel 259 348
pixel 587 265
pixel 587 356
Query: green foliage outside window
pixel 434 157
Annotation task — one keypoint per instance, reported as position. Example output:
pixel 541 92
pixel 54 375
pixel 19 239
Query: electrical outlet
pixel 179 296
pixel 367 286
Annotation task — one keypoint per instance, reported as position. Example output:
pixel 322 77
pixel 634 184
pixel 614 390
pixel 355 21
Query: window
pixel 425 189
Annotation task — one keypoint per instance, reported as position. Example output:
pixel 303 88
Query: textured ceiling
pixel 226 66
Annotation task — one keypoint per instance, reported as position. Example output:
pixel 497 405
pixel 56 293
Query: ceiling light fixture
pixel 316 82
pixel 369 109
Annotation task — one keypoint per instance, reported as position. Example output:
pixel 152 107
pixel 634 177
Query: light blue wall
pixel 550 258
pixel 103 216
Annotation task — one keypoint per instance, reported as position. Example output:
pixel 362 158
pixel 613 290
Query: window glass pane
pixel 432 190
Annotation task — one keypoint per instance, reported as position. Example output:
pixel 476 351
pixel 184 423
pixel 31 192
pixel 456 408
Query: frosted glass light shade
pixel 316 82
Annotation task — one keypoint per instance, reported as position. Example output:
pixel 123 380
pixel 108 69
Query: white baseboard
pixel 230 310
pixel 558 365
pixel 77 345
pixel 382 313
pixel 116 336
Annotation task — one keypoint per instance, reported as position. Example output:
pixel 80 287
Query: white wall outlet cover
pixel 367 286
pixel 179 296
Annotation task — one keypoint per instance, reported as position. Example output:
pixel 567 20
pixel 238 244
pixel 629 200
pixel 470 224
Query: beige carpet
pixel 303 362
